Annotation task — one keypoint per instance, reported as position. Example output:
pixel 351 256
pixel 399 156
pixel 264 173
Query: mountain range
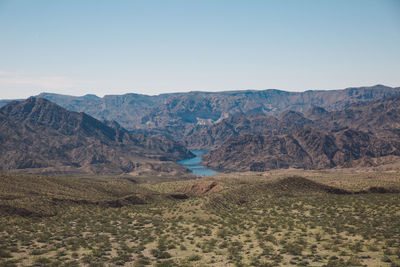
pixel 179 115
pixel 39 135
pixel 315 140
pixel 245 130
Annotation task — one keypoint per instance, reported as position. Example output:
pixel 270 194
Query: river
pixel 194 164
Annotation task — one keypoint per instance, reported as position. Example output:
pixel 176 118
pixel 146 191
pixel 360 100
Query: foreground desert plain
pixel 337 217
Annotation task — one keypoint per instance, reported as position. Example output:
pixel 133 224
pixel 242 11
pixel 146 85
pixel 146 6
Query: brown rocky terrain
pixel 380 117
pixel 127 109
pixel 51 139
pixel 216 134
pixel 201 188
pixel 39 136
pixel 180 114
pixel 308 148
pixel 362 134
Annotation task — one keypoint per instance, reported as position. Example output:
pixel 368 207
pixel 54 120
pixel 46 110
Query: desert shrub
pixel 293 248
pixel 194 257
pixel 5 254
pixel 354 261
pixel 142 262
pixel 8 264
pixel 167 263
pixel 386 259
pixel 160 254
pixel 234 250
pixel 42 261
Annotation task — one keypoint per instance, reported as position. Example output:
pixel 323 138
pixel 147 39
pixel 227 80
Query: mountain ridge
pixel 37 133
pixel 298 140
pixel 308 148
pixel 160 113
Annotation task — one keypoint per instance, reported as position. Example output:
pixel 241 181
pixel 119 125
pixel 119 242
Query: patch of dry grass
pixel 256 220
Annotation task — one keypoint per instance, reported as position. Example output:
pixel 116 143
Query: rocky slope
pixel 178 114
pixel 307 148
pixel 198 120
pixel 216 134
pixel 127 109
pixel 38 134
pixel 380 117
pixel 344 138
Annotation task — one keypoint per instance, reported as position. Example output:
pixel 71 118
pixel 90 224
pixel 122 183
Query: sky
pixel 79 47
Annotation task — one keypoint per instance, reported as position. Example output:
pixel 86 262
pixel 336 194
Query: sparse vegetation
pixel 253 221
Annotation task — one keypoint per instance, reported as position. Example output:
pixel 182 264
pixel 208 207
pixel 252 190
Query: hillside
pixel 126 109
pixel 181 115
pixel 308 148
pixel 177 113
pixel 241 124
pixel 39 196
pixel 40 136
pixel 197 120
pixel 380 117
pixel 290 218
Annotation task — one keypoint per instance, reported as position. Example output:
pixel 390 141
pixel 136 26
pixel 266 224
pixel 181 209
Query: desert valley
pixel 199 133
pixel 306 179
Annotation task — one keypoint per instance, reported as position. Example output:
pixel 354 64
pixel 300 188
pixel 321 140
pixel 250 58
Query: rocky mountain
pixel 211 136
pixel 181 115
pixel 38 134
pixel 127 109
pixel 319 139
pixel 198 120
pixel 177 115
pixel 380 117
pixel 307 148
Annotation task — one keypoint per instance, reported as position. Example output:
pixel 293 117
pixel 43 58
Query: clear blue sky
pixel 151 47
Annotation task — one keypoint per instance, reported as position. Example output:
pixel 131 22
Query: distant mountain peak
pixel 91 96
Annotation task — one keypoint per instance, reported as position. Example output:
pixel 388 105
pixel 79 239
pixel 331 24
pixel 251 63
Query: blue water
pixel 194 164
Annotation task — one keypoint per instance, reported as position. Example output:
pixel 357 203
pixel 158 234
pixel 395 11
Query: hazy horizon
pixel 202 91
pixel 155 47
